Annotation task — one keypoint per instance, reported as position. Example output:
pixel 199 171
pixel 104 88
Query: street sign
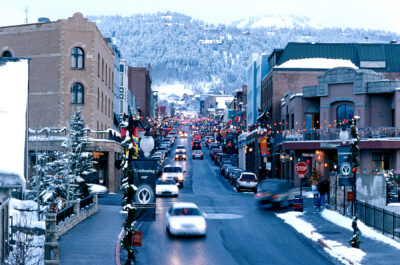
pixel 301 168
pixel 301 176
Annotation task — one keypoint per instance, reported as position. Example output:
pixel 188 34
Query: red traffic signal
pixel 308 161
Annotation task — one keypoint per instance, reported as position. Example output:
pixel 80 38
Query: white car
pixel 185 218
pixel 97 188
pixel 247 180
pixel 166 187
pixel 175 173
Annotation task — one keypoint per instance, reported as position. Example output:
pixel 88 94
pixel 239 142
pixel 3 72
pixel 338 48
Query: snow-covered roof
pixel 13 108
pixel 317 63
pixel 221 101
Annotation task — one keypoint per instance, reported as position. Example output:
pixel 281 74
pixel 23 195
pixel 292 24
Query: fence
pixel 86 201
pixel 65 213
pixel 380 219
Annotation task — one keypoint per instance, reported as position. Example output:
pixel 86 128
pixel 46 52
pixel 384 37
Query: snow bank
pixel 24 214
pixel 346 255
pixel 366 231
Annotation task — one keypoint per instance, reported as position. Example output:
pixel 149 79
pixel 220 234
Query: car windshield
pixel 180 152
pixel 248 177
pixel 186 211
pixel 180 147
pixel 197 152
pixel 172 170
pixel 165 182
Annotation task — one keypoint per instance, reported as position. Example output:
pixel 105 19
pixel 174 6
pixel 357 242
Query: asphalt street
pixel 237 231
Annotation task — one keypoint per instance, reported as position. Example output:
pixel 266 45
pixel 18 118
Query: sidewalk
pixel 93 241
pixel 332 232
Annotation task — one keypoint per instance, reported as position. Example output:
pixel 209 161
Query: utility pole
pixel 26 15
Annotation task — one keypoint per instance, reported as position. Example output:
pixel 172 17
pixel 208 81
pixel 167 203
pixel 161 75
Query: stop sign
pixel 301 168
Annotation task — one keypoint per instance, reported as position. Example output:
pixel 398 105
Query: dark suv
pixel 196 145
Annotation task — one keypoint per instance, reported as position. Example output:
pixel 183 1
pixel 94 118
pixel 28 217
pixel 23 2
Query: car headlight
pixel 184 156
pixel 180 177
pixel 176 156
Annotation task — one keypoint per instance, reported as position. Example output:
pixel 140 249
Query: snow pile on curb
pixel 346 255
pixel 366 231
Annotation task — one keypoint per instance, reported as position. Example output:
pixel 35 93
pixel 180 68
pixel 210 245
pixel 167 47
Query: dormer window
pixel 77 58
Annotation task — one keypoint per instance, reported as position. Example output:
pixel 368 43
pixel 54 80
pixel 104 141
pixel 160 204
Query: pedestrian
pixel 315 193
pixel 323 189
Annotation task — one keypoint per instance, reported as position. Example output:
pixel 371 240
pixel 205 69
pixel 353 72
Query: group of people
pixel 320 191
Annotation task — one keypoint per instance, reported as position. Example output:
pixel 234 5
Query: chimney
pixel 149 66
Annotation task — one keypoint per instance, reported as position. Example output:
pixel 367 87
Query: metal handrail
pixel 64 213
pixel 86 201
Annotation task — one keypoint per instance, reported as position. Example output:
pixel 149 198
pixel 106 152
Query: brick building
pixel 71 69
pixel 300 64
pixel 318 113
pixel 139 82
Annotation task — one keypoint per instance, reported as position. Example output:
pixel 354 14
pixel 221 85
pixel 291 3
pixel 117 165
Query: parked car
pixel 224 167
pixel 228 170
pixel 214 152
pixel 235 174
pixel 277 192
pixel 221 157
pixel 175 173
pixel 247 180
pixel 166 187
pixel 197 154
pixel 184 218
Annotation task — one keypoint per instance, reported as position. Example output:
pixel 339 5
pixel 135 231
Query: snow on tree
pixel 81 163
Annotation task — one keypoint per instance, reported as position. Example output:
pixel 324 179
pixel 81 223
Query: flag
pixel 229 123
pixel 243 117
pixel 236 119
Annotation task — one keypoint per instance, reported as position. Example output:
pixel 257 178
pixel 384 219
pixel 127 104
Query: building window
pixel 106 73
pixel 344 113
pixel 77 58
pixel 6 54
pixel 98 65
pixel 98 99
pixel 380 161
pixel 77 93
pixel 102 69
pixel 311 121
pixel 102 102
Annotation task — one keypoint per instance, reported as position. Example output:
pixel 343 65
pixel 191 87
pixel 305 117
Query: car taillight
pixel 258 195
pixel 201 153
pixel 254 180
pixel 276 196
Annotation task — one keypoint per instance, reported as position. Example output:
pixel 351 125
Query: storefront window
pixel 380 161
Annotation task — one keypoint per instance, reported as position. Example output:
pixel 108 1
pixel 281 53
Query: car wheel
pixel 169 232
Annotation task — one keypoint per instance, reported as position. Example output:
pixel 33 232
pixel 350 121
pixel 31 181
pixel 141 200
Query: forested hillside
pixel 182 49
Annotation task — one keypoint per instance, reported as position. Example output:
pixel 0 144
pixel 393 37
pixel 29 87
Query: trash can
pixel 298 203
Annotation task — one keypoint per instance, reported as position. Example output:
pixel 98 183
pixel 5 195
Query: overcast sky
pixel 368 14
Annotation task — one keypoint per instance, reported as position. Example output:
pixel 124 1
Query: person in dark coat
pixel 323 189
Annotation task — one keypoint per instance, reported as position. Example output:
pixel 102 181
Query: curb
pixel 323 244
pixel 118 247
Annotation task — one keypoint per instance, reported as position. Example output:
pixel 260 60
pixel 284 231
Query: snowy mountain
pixel 208 57
pixel 276 22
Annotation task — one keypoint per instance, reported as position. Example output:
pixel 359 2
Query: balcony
pixel 332 134
pixel 56 135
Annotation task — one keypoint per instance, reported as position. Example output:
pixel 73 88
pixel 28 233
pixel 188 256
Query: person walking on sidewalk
pixel 315 193
pixel 323 189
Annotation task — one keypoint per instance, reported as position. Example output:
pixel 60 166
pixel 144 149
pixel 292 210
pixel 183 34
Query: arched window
pixel 77 93
pixel 344 113
pixel 77 58
pixel 7 54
